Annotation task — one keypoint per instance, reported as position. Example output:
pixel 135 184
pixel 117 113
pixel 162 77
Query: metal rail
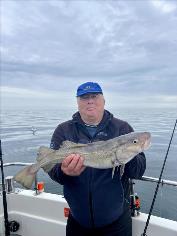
pixel 17 164
pixel 156 180
pixel 134 209
pixel 134 199
pixel 144 178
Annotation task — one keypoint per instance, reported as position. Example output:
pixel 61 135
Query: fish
pixel 100 154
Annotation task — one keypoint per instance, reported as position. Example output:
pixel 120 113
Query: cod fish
pixel 101 154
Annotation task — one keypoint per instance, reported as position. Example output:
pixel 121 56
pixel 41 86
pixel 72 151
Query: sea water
pixel 20 143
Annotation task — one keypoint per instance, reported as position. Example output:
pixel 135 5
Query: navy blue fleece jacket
pixel 95 199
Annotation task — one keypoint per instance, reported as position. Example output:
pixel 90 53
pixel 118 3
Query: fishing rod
pixel 6 222
pixel 159 181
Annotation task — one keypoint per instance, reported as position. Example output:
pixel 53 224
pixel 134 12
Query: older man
pixel 99 204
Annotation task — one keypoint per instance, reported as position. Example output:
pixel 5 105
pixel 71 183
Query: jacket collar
pixel 107 116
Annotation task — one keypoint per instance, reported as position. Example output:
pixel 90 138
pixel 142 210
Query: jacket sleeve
pixel 136 167
pixel 56 173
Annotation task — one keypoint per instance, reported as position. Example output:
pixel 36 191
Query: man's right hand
pixel 73 165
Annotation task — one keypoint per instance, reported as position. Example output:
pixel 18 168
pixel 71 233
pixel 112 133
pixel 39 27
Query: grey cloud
pixel 130 46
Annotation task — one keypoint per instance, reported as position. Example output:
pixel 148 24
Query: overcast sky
pixel 49 47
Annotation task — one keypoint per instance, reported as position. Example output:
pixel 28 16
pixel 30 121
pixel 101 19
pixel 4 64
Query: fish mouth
pixel 147 144
pixel 147 140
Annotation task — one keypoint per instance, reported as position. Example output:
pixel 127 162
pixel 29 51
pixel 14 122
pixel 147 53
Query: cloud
pixel 164 6
pixel 128 47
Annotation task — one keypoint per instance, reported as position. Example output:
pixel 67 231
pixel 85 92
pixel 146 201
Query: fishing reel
pixel 134 205
pixel 134 200
pixel 14 226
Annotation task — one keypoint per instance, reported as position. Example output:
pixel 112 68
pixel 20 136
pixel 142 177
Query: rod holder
pixel 9 183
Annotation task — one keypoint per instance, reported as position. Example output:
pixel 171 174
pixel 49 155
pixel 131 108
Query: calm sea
pixel 19 144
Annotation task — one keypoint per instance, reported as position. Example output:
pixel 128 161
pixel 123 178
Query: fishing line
pixel 6 222
pixel 158 184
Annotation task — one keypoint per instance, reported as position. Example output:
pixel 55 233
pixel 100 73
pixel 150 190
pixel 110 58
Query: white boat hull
pixel 43 214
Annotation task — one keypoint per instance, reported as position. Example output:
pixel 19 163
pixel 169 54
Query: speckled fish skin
pixel 101 154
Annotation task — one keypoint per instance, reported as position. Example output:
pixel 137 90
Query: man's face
pixel 91 105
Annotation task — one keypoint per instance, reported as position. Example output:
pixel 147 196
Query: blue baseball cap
pixel 88 87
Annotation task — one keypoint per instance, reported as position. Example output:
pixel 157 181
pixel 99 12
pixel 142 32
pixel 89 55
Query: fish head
pixel 131 144
pixel 139 141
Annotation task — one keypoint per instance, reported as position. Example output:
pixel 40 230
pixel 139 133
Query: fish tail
pixel 26 176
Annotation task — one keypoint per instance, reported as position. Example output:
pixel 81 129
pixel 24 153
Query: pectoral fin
pixel 122 167
pixel 113 170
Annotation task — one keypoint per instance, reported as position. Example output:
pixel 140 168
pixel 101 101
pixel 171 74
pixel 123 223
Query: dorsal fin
pixel 69 144
pixel 43 152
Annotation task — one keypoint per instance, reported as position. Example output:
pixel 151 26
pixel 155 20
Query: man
pixel 98 204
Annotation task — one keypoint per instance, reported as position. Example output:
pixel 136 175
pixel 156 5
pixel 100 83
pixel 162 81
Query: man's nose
pixel 90 100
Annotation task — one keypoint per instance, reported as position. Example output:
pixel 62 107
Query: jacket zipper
pixel 90 187
pixel 91 204
pixel 91 198
pixel 90 183
pixel 91 139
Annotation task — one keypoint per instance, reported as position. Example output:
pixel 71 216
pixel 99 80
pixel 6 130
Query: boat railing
pixel 156 180
pixel 9 185
pixel 134 199
pixel 144 178
pixel 17 164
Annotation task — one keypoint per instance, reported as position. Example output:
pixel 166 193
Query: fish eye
pixel 135 141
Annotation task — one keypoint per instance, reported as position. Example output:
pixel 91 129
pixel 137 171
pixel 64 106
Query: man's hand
pixel 73 165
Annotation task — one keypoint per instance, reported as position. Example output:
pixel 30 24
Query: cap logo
pixel 87 87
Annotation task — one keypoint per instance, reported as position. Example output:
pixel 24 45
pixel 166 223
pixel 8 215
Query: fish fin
pixel 69 144
pixel 43 152
pixel 122 167
pixel 113 170
pixel 97 143
pixel 26 176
